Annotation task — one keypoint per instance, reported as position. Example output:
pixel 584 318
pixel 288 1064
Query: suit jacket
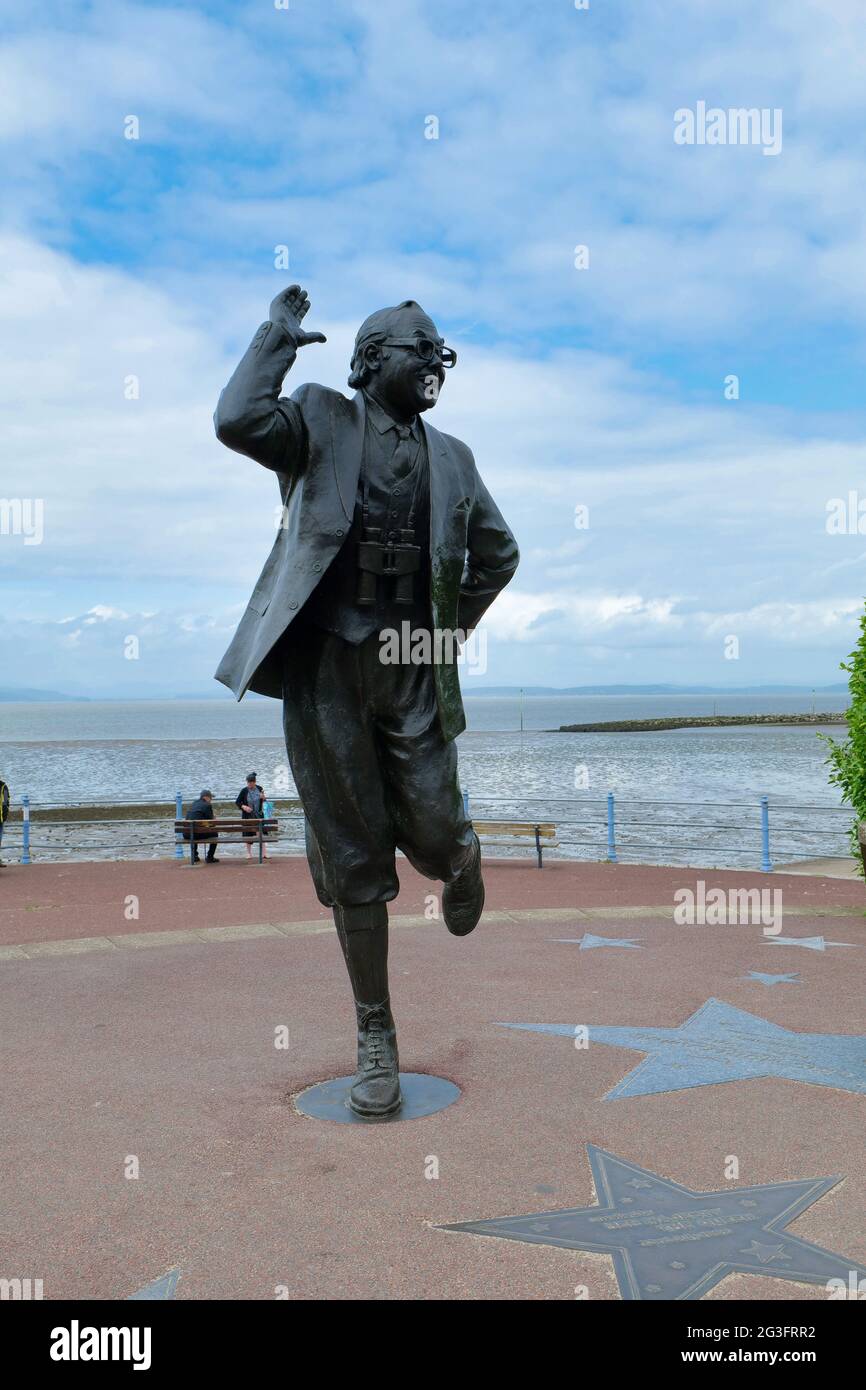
pixel 314 441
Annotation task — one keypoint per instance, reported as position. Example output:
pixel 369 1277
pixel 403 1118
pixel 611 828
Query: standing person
pixel 250 801
pixel 202 809
pixel 4 810
pixel 386 526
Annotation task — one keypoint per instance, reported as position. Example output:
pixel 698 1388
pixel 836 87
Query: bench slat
pixel 521 844
pixel 181 825
pixel 495 827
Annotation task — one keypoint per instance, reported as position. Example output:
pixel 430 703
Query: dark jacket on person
pixel 313 441
pixel 243 798
pixel 4 801
pixel 200 810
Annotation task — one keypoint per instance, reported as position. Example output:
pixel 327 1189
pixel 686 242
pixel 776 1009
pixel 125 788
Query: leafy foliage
pixel 847 761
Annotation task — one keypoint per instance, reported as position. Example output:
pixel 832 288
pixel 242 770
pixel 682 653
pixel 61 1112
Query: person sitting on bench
pixel 202 810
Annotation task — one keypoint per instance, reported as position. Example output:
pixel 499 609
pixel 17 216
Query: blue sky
pixel 601 387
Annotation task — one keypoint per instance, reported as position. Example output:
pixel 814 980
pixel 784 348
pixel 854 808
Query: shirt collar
pixel 382 421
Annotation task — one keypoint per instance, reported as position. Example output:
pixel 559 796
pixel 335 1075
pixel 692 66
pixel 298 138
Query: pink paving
pixel 167 1054
pixel 57 901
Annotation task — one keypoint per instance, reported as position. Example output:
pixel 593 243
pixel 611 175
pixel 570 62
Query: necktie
pixel 403 457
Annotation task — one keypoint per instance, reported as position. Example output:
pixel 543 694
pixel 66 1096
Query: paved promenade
pixel 140 1005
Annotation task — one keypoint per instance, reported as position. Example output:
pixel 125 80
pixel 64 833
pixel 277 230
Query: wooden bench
pixel 207 832
pixel 542 832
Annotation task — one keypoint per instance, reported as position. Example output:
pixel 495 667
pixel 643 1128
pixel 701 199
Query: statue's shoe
pixel 463 900
pixel 376 1089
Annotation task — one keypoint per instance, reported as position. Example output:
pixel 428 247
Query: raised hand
pixel 288 310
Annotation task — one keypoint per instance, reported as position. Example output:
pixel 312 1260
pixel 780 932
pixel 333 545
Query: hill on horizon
pixel 11 694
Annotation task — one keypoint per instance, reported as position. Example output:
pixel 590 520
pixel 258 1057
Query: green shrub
pixel 847 761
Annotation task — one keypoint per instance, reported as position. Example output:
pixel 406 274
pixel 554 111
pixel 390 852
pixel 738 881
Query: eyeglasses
pixel 425 348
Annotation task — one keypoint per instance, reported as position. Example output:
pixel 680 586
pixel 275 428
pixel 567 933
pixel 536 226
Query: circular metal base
pixel 422 1095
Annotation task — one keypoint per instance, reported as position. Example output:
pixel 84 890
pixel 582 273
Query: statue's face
pixel 400 378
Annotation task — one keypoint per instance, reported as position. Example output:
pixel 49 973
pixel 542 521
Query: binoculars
pixel 397 561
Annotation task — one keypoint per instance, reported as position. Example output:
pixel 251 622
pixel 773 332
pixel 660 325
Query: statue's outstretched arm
pixel 250 417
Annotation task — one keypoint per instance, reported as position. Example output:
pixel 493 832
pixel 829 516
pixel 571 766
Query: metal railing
pixel 631 829
pixel 617 829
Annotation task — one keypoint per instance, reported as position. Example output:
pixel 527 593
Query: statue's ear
pixel 373 356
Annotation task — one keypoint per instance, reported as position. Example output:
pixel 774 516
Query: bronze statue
pixel 385 520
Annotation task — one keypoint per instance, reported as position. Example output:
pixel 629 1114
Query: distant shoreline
pixel 700 721
pixel 26 695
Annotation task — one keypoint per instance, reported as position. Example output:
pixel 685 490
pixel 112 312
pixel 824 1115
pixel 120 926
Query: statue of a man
pixel 385 520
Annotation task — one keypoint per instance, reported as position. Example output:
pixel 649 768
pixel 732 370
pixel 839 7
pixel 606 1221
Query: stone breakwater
pixel 701 721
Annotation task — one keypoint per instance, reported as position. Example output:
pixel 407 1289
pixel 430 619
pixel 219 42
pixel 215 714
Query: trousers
pixel 372 768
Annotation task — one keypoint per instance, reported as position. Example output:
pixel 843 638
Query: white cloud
pixel 706 501
pixel 554 130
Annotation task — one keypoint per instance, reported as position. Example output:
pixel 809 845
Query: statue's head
pixel 401 358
